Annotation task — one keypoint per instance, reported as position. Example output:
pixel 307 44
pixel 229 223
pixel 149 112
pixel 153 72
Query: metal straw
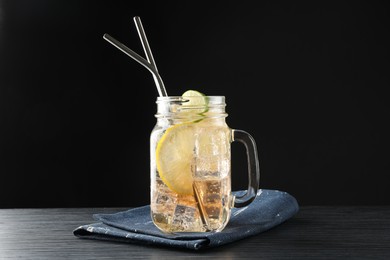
pixel 144 41
pixel 148 64
pixel 145 45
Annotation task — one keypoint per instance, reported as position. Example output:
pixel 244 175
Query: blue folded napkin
pixel 269 209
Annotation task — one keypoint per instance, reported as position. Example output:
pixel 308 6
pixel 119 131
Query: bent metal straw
pixel 148 64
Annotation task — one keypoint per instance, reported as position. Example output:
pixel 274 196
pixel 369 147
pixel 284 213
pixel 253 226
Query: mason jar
pixel 190 163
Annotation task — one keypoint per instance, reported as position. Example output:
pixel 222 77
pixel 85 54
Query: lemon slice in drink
pixel 196 100
pixel 174 151
pixel 174 155
pixel 194 93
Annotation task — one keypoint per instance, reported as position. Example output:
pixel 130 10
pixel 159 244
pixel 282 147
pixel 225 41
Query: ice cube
pixel 213 212
pixel 213 187
pixel 184 216
pixel 212 198
pixel 164 201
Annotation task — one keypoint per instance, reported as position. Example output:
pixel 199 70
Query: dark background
pixel 308 80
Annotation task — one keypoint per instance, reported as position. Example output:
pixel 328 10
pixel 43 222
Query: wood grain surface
pixel 314 233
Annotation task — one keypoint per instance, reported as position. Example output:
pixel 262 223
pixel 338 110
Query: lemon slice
pixel 196 100
pixel 174 151
pixel 174 155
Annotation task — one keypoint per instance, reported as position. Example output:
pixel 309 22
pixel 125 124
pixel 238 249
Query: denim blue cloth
pixel 269 209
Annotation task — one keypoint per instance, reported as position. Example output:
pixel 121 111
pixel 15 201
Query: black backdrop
pixel 308 80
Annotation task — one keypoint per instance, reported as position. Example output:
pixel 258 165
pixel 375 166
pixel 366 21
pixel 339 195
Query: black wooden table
pixel 314 233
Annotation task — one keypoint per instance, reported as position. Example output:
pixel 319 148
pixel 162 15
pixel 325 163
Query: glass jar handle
pixel 253 168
